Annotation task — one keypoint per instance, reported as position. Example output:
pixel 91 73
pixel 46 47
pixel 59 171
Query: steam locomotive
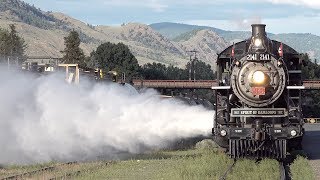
pixel 258 99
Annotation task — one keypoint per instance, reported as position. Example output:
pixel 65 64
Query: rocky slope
pixel 207 43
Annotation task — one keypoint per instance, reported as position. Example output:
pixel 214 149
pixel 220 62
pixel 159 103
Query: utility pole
pixel 190 71
pixel 193 58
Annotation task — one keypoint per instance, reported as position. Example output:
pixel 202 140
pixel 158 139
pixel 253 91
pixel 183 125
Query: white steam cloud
pixel 44 119
pixel 245 23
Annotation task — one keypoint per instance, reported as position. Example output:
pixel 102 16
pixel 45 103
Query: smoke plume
pixel 45 119
pixel 245 23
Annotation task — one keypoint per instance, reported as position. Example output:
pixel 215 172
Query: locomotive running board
pixel 221 87
pixel 229 87
pixel 296 87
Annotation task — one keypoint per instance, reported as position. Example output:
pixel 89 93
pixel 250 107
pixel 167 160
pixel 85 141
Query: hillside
pixel 44 32
pixel 20 11
pixel 146 44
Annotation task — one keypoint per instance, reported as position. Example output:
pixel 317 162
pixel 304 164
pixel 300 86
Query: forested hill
pixel 20 11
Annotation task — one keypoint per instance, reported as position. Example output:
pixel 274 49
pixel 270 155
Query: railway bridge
pixel 204 84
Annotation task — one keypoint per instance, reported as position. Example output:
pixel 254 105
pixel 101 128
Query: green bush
pixel 209 165
pixel 301 169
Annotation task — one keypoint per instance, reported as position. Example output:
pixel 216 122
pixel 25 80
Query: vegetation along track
pixel 283 165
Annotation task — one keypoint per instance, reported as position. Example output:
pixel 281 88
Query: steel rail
pixel 29 173
pixel 225 174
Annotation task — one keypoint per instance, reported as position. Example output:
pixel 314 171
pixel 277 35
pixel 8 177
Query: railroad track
pixel 284 171
pixel 51 175
pixel 76 173
pixel 229 169
pixel 33 172
pixel 283 165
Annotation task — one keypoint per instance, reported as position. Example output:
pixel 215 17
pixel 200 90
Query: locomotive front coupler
pixel 259 133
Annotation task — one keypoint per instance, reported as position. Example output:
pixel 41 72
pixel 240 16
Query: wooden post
pixel 67 73
pixel 77 78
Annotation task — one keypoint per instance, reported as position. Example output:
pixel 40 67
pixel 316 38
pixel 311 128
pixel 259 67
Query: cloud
pixel 293 24
pixel 155 5
pixel 315 4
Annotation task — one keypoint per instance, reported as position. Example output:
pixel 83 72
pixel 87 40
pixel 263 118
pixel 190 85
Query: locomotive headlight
pixel 257 42
pixel 223 132
pixel 293 133
pixel 258 77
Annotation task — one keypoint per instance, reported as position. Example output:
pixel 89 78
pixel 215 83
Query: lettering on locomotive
pixel 261 112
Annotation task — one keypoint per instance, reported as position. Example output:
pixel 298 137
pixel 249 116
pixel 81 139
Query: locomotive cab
pixel 258 100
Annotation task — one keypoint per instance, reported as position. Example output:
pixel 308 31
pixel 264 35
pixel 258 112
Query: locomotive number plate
pixel 258 91
pixel 256 57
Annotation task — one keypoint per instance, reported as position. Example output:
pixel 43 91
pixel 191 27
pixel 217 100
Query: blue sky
pixel 281 16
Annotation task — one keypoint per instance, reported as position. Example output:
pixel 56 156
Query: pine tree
pixel 73 54
pixel 4 43
pixel 17 43
pixel 11 44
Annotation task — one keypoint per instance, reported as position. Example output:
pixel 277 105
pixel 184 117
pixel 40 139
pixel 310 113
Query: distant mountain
pixel 304 43
pixel 173 30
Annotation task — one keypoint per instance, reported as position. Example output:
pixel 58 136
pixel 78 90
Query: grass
pixel 267 169
pixel 202 163
pixel 199 164
pixel 209 165
pixel 301 169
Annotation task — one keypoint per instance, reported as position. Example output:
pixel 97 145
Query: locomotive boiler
pixel 258 99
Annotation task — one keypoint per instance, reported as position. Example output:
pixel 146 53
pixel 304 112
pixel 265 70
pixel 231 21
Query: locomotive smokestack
pixel 258 30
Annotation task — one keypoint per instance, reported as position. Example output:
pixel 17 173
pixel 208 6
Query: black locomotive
pixel 258 100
